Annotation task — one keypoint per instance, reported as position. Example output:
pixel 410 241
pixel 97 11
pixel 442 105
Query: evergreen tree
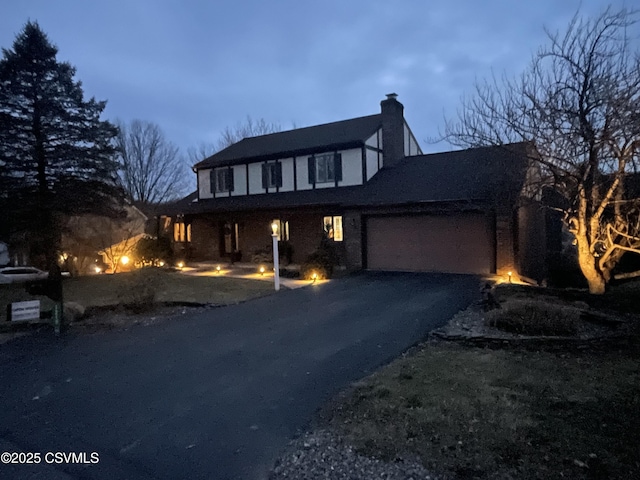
pixel 57 158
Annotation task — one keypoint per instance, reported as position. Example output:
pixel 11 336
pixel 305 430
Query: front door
pixel 230 241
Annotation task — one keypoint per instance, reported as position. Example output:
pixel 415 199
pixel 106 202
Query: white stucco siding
pixel 372 163
pixel 239 180
pixel 351 170
pixel 204 183
pixel 351 167
pixel 255 178
pixel 372 141
pixel 411 146
pixel 302 173
pixel 287 175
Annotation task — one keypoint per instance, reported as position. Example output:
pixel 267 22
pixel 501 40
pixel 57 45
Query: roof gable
pixel 301 141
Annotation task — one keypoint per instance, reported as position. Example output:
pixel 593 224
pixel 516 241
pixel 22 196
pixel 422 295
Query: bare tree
pixel 199 153
pixel 248 128
pixel 579 102
pixel 231 135
pixel 152 171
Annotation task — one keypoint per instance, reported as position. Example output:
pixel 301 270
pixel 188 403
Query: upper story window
pixel 222 180
pixel 271 175
pixel 325 168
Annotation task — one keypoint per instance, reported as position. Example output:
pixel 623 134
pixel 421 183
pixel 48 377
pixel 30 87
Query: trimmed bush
pixel 139 291
pixel 151 251
pixel 320 262
pixel 528 317
pixel 262 255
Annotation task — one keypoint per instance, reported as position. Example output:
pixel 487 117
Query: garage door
pixel 460 243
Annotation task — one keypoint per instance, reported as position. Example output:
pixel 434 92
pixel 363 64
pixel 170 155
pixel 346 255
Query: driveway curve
pixel 219 394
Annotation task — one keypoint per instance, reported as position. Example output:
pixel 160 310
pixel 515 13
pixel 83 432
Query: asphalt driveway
pixel 217 395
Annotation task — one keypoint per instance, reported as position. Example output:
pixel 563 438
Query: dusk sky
pixel 195 67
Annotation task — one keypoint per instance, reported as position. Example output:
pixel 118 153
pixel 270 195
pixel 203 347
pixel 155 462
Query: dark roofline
pixel 280 155
pixel 515 147
pixel 218 159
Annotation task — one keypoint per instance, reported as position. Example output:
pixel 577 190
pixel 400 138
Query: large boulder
pixel 73 311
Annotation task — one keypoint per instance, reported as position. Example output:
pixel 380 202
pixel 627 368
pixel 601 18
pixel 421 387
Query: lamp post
pixel 276 266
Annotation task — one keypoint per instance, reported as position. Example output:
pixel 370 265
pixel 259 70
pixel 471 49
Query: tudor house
pixel 365 184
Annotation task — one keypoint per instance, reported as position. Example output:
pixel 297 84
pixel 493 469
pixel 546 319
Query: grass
pixel 105 290
pixel 530 317
pixel 621 298
pixel 473 413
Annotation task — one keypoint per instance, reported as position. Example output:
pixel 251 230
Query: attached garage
pixel 455 243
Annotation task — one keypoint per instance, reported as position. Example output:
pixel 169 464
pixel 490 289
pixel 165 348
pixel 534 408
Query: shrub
pixel 139 291
pixel 153 250
pixel 320 262
pixel 262 255
pixel 528 317
pixel 265 254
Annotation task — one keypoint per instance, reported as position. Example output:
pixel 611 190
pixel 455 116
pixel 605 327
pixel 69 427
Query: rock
pixel 73 311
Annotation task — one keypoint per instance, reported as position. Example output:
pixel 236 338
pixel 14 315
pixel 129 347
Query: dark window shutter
pixel 312 170
pixel 212 179
pixel 337 166
pixel 279 174
pixel 230 180
pixel 265 176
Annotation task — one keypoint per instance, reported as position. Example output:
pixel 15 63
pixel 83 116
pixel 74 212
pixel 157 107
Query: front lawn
pixel 538 410
pixel 475 413
pixel 124 288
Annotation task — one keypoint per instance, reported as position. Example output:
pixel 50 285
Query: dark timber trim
pixel 295 174
pixel 364 165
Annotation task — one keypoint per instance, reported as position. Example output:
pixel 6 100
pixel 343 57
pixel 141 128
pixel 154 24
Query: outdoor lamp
pixel 314 276
pixel 124 260
pixel 261 270
pixel 218 269
pixel 509 273
pixel 276 266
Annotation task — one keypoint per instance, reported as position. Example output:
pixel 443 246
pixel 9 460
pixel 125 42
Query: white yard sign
pixel 21 311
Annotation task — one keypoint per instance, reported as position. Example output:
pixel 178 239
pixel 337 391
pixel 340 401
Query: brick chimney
pixel 392 130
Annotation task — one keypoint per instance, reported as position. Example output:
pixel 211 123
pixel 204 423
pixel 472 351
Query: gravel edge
pixel 322 454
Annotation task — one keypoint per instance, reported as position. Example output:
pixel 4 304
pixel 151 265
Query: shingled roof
pixel 480 175
pixel 484 173
pixel 301 141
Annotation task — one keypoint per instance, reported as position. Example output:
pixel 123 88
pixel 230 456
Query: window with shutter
pixel 271 175
pixel 222 180
pixel 327 168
